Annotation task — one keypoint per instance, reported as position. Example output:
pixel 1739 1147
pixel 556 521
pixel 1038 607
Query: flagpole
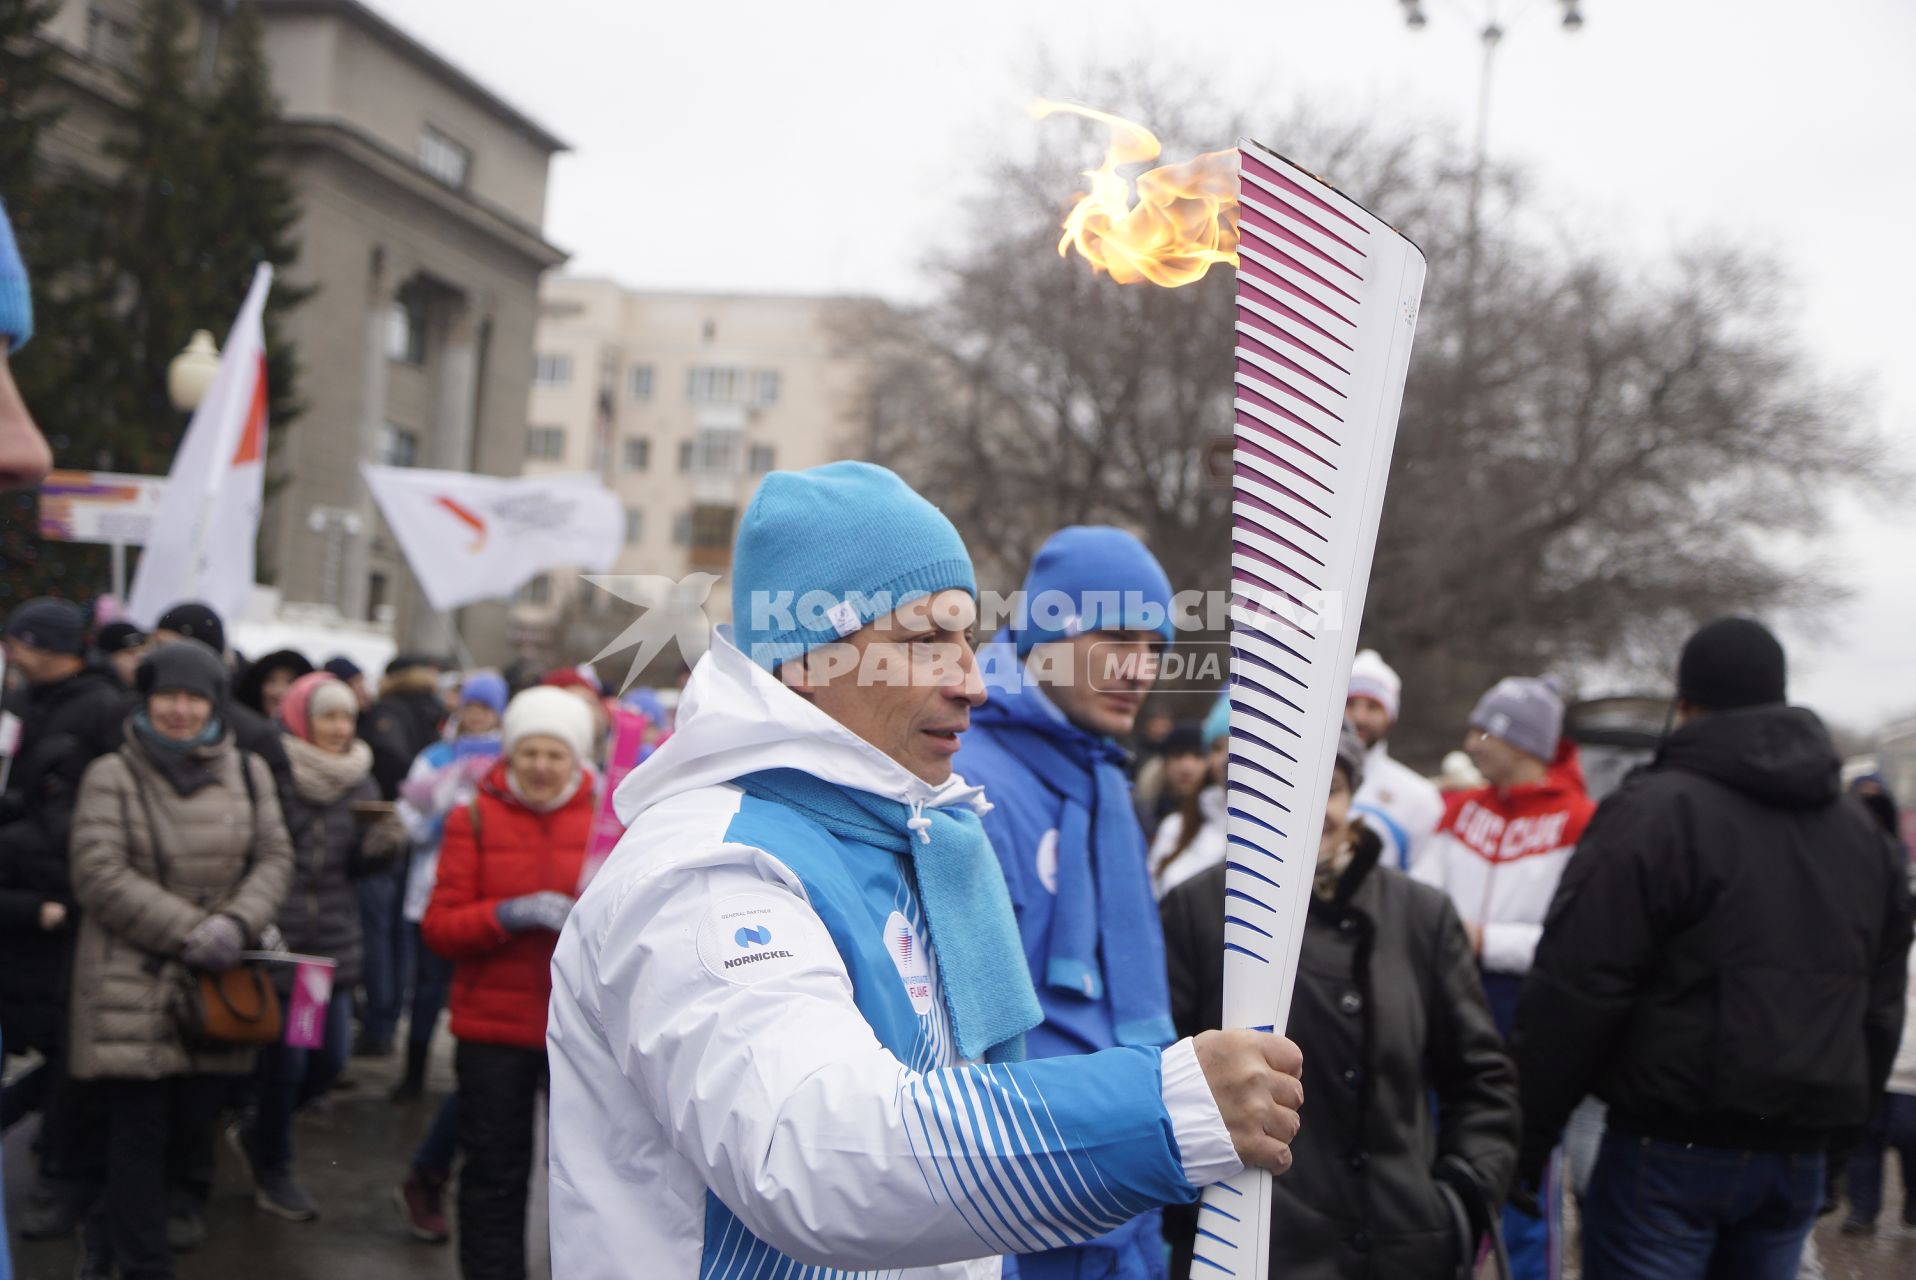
pixel 458 643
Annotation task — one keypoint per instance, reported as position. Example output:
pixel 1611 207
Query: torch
pixel 1327 298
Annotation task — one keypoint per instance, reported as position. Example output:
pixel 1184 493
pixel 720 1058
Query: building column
pixel 456 390
pixel 382 289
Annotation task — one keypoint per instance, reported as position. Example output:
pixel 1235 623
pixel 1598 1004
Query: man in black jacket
pixel 71 713
pixel 1724 965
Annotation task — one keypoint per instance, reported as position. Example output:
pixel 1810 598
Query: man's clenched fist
pixel 1257 1080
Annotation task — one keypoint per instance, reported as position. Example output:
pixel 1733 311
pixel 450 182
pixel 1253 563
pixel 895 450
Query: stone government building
pixel 423 198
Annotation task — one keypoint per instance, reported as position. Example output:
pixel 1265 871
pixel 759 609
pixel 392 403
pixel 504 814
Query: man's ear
pixel 796 674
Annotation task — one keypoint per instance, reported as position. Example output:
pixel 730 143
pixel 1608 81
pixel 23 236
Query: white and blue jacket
pixel 753 1072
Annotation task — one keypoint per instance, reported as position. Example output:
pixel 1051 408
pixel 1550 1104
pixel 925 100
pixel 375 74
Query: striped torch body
pixel 1327 303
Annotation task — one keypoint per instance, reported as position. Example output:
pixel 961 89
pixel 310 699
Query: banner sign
pixel 99 506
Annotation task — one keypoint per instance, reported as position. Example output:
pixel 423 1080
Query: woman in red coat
pixel 509 868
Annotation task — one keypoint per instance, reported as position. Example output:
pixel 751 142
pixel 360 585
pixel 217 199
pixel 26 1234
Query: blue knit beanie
pixel 824 552
pixel 487 688
pixel 16 305
pixel 1092 578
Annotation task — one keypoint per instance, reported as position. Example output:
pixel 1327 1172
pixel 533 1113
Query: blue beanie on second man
pixel 824 552
pixel 16 304
pixel 1093 577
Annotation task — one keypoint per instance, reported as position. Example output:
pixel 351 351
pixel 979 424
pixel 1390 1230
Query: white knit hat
pixel 545 712
pixel 1371 677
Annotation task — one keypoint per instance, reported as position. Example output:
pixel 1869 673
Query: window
pixel 712 526
pixel 722 384
pixel 640 382
pixel 634 526
pixel 712 533
pixel 398 447
pixel 682 529
pixel 405 332
pixel 376 605
pixel 442 158
pixel 638 455
pixel 761 459
pixel 539 590
pixel 713 384
pixel 716 451
pixel 685 456
pixel 552 371
pixel 545 443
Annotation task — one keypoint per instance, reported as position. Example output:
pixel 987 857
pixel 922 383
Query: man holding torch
pixel 789 1017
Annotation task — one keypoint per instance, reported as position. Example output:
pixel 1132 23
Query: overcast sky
pixel 761 145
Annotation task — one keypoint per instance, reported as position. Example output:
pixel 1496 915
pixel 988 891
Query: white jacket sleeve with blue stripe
pixel 824 1145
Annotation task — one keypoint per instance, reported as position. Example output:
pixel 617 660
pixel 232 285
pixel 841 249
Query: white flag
pixel 201 544
pixel 473 537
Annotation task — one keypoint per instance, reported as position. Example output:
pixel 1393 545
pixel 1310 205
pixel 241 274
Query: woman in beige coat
pixel 180 859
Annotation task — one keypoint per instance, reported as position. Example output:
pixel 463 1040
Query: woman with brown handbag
pixel 180 857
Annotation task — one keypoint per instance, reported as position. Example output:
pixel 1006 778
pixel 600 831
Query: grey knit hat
pixel 1525 712
pixel 184 665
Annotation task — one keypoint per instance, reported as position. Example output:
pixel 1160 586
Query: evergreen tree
pixel 129 273
pixel 53 213
pixel 261 212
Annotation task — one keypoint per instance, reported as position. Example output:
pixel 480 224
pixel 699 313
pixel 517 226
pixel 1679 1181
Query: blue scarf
pixel 967 908
pixel 1105 937
pixel 206 737
pixel 173 757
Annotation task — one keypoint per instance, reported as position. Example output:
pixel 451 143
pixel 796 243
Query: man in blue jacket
pixel 1068 679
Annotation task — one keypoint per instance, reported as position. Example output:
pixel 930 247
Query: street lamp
pixel 190 373
pixel 188 377
pixel 1491 35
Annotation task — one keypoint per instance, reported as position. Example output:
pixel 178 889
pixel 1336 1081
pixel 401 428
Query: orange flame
pixel 1184 218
